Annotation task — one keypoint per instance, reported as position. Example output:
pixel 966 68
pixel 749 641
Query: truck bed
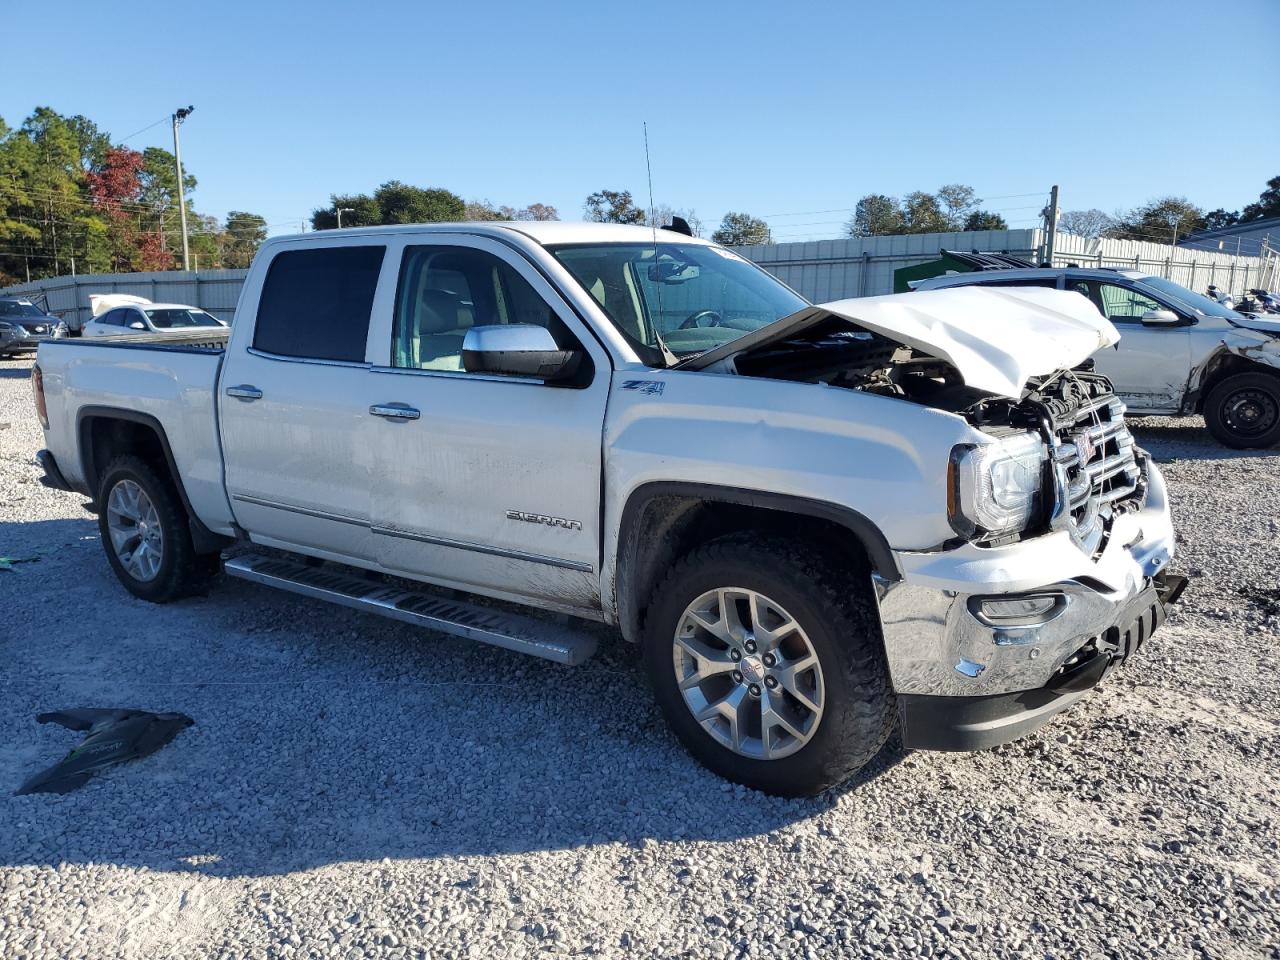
pixel 167 383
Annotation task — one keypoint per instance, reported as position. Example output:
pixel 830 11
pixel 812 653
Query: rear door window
pixel 316 303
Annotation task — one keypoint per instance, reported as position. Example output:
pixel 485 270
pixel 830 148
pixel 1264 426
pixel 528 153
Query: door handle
pixel 244 392
pixel 395 411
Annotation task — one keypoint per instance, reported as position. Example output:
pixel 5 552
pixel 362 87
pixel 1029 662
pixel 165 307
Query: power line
pixel 143 130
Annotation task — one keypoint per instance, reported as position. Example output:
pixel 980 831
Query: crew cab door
pixel 1150 364
pixel 485 482
pixel 293 406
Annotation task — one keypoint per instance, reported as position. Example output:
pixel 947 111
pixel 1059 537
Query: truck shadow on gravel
pixel 13 373
pixel 326 736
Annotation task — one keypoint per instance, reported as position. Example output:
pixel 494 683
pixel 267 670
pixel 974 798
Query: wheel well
pixel 1224 365
pixel 107 434
pixel 665 526
pixel 105 438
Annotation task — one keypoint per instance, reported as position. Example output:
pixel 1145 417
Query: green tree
pixel 612 206
pixel 359 210
pixel 922 213
pixel 1215 219
pixel 244 234
pixel 402 203
pixel 393 202
pixel 159 195
pixel 742 230
pixel 1268 204
pixel 876 215
pixel 1160 221
pixel 957 202
pixel 984 220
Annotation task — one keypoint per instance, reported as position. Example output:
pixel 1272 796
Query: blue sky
pixel 779 109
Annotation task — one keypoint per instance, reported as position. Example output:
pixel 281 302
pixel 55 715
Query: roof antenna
pixel 667 356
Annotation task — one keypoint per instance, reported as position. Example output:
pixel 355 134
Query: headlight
pixel 994 488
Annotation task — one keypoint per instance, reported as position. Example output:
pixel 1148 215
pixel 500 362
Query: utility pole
pixel 178 116
pixel 1051 225
pixel 341 211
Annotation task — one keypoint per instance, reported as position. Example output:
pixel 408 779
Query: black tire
pixel 182 571
pixel 835 609
pixel 1243 411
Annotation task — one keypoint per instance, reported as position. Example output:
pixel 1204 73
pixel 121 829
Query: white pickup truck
pixel 814 521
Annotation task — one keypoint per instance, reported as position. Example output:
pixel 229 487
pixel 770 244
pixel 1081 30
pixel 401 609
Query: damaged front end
pixel 1056 573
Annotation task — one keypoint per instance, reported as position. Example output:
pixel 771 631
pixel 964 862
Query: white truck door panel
pixel 298 463
pixel 293 402
pixel 495 486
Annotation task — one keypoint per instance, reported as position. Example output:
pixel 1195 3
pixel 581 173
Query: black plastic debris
pixel 115 736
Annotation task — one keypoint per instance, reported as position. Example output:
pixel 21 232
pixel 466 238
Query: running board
pixel 539 638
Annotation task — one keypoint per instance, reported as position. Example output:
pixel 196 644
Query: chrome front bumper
pixel 967 681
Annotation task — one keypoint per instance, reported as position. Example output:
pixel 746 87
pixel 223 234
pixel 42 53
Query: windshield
pixel 694 297
pixel 16 308
pixel 175 318
pixel 1189 298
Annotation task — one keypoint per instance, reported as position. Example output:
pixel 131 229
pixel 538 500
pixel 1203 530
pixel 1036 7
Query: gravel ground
pixel 353 787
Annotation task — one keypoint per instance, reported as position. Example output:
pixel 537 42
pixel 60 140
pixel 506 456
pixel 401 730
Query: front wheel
pixel 1243 411
pixel 767 661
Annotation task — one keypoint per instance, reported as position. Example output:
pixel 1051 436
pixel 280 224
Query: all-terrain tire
pixel 1243 411
pixel 835 609
pixel 182 571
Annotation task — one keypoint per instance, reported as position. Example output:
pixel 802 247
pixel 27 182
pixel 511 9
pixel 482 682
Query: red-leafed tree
pixel 115 185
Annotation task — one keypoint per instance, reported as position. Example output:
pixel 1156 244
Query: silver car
pixel 23 326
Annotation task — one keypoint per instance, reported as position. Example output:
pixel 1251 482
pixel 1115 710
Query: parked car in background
pixel 140 316
pixel 815 522
pixel 24 326
pixel 1179 352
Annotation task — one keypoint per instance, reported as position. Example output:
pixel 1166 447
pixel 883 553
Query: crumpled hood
pixel 996 338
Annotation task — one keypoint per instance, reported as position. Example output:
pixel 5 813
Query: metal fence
pixel 824 270
pixel 863 267
pixel 213 290
pixel 821 270
pixel 1194 269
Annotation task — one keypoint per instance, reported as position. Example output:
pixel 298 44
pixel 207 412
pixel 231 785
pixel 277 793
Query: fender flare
pixel 868 535
pixel 204 539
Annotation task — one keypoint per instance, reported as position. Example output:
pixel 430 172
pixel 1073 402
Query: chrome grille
pixel 1097 470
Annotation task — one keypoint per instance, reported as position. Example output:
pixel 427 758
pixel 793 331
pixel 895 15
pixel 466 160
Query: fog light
pixel 1011 611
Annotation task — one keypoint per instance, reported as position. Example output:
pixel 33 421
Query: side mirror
pixel 517 349
pixel 1160 318
pixel 137 325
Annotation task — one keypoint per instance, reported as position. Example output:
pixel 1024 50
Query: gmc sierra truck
pixel 814 522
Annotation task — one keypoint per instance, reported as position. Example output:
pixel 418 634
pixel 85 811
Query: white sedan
pixel 153 318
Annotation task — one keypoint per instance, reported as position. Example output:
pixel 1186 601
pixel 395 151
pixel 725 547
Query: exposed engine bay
pixel 1093 469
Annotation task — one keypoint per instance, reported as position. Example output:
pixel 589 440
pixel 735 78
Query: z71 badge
pixel 543 518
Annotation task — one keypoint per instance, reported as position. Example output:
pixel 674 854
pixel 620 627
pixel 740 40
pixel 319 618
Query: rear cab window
pixel 316 303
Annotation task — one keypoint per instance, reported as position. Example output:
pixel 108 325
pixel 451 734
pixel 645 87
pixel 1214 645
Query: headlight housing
pixel 994 489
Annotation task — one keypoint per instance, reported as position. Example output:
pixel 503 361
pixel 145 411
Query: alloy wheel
pixel 136 535
pixel 748 673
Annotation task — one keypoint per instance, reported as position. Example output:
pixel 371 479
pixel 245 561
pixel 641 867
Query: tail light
pixel 37 390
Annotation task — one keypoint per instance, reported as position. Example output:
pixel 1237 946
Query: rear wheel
pixel 146 535
pixel 767 661
pixel 1243 411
